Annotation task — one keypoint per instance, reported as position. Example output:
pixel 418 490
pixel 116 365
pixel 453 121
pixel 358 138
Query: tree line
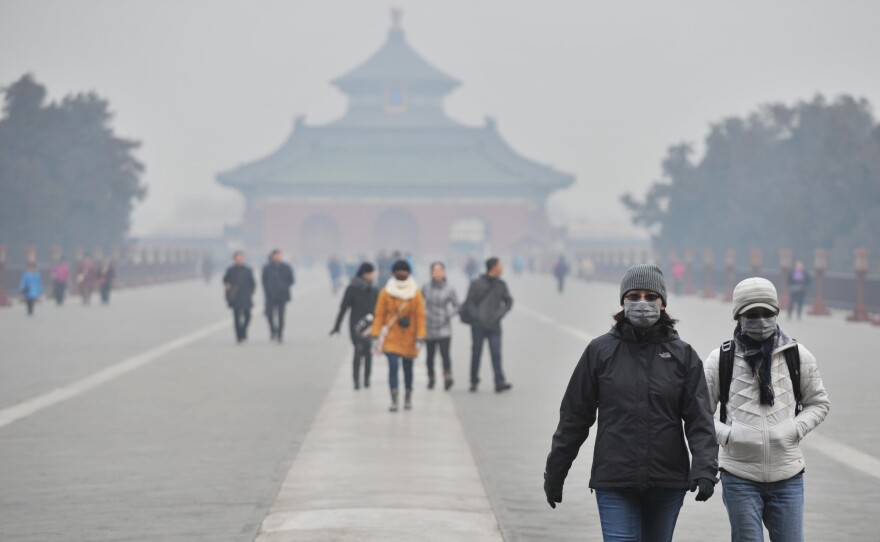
pixel 66 178
pixel 799 177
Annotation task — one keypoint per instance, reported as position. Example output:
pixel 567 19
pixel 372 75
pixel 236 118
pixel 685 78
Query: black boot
pixel 393 407
pixel 447 381
pixel 407 400
pixel 430 382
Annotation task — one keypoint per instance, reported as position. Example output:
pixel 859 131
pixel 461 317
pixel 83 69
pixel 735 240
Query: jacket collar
pixel 657 333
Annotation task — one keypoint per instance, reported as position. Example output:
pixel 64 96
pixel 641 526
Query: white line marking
pixel 31 406
pixel 849 456
pixel 832 449
pixel 69 391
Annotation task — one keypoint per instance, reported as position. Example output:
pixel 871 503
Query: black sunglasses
pixel 639 297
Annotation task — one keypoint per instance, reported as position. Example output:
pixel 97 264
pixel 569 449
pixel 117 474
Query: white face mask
pixel 642 314
pixel 759 329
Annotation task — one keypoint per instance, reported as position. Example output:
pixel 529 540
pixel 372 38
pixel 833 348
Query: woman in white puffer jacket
pixel 760 458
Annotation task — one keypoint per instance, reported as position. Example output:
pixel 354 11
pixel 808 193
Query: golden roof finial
pixel 396 16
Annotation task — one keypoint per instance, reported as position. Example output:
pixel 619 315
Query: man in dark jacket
pixel 487 302
pixel 359 298
pixel 239 284
pixel 649 389
pixel 277 280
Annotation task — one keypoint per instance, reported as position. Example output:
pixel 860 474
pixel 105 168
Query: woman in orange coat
pixel 399 328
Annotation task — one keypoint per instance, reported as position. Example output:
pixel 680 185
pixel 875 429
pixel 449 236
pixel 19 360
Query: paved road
pixel 195 443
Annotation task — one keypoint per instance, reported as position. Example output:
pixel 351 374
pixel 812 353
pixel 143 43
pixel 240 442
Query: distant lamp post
pixel 820 265
pixel 689 272
pixel 756 261
pixel 785 263
pixel 709 264
pixel 730 268
pixel 860 311
pixel 4 302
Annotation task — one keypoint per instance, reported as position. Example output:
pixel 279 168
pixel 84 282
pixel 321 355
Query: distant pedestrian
pixel 207 267
pixel 31 286
pixel 277 279
pixel 561 270
pixel 771 396
pixel 336 270
pixel 60 280
pixel 106 277
pixel 239 286
pixel 399 328
pixel 86 278
pixel 359 300
pixel 441 304
pixel 798 284
pixel 679 273
pixel 471 268
pixel 488 301
pixel 519 265
pixel 650 393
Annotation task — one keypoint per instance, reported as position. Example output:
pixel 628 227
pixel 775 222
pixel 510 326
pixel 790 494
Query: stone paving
pixel 197 444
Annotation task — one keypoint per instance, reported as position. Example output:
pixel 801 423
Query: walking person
pixel 798 284
pixel 60 280
pixel 648 387
pixel 105 278
pixel 239 285
pixel 31 286
pixel 399 328
pixel 771 396
pixel 277 279
pixel 488 301
pixel 86 279
pixel 441 304
pixel 335 268
pixel 359 300
pixel 560 271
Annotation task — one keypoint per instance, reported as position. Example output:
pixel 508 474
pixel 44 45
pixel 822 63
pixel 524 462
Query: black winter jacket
pixel 277 280
pixel 488 301
pixel 241 285
pixel 360 297
pixel 644 387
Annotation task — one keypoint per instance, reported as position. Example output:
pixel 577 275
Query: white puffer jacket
pixel 761 442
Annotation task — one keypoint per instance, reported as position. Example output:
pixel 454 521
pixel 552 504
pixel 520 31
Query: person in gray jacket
pixel 441 304
pixel 761 463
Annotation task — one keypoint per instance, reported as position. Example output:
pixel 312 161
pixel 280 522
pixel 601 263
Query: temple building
pixel 395 173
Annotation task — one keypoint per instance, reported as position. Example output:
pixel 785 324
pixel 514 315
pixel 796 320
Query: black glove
pixel 706 486
pixel 553 492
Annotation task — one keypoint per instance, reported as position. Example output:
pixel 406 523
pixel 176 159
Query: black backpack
pixel 725 374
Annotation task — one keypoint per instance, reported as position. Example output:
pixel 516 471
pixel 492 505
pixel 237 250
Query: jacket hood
pixel 402 289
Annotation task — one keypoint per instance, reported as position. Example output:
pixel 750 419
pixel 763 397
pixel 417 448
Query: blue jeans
pixel 778 505
pixel 633 515
pixel 393 364
pixel 493 336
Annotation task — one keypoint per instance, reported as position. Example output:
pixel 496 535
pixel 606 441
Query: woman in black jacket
pixel 360 297
pixel 644 381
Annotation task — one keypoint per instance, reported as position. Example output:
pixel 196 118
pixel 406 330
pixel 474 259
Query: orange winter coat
pixel 400 340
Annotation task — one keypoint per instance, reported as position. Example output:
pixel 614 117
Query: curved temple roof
pixel 408 152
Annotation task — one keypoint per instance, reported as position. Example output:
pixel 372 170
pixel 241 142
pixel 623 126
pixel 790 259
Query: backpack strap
pixel 725 375
pixel 793 360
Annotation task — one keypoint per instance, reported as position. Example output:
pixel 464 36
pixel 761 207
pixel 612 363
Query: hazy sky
pixel 599 89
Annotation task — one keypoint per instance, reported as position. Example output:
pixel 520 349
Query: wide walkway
pixel 145 421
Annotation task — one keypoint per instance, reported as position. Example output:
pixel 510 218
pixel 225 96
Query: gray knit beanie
pixel 754 292
pixel 643 277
